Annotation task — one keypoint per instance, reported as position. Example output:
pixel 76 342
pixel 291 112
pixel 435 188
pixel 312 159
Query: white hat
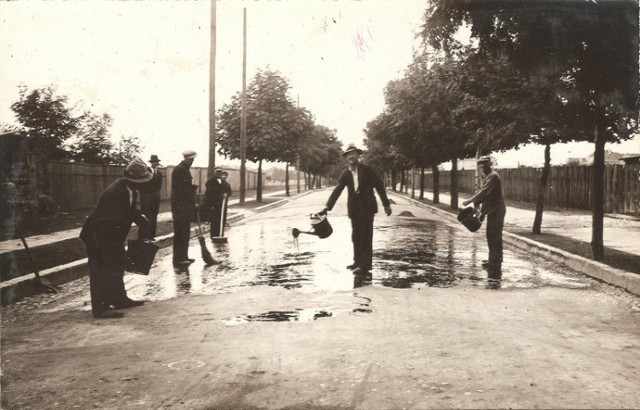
pixel 189 154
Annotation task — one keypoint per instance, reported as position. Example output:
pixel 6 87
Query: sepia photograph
pixel 331 204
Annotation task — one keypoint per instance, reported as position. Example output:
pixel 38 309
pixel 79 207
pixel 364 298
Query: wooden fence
pixel 568 186
pixel 78 186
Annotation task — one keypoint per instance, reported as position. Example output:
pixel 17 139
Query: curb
pixel 17 288
pixel 617 277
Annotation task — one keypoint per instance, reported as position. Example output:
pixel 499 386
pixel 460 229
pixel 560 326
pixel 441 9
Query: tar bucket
pixel 140 256
pixel 469 218
pixel 320 227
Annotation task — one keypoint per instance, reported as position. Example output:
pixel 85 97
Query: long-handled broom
pixel 38 282
pixel 206 255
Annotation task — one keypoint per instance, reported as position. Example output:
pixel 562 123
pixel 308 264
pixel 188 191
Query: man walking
pixel 362 206
pixel 490 198
pixel 183 207
pixel 104 234
pixel 150 197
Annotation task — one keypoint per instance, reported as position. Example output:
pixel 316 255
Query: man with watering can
pixel 360 181
pixel 490 198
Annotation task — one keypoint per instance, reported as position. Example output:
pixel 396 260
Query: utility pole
pixel 298 161
pixel 243 117
pixel 212 93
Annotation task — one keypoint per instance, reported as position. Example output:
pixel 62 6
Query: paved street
pixel 283 324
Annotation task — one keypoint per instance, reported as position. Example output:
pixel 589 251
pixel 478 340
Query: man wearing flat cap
pixel 183 207
pixel 104 234
pixel 490 198
pixel 150 196
pixel 214 201
pixel 360 181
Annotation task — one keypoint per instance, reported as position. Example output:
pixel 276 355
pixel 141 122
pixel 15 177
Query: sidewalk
pixel 35 241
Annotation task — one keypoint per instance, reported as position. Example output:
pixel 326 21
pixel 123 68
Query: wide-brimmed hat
pixel 189 154
pixel 154 158
pixel 137 171
pixel 217 169
pixel 351 148
pixel 484 158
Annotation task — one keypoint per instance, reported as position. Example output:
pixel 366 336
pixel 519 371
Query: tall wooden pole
pixel 243 117
pixel 212 92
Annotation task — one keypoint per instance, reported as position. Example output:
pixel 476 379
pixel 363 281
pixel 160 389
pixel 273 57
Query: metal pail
pixel 140 256
pixel 469 219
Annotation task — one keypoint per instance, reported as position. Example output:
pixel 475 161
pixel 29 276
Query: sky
pixel 146 63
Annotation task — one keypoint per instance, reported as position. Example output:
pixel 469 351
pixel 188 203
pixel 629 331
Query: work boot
pixel 127 303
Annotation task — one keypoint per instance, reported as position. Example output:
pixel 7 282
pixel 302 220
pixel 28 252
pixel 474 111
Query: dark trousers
pixel 216 220
pixel 150 207
pixel 106 275
pixel 495 223
pixel 362 238
pixel 181 236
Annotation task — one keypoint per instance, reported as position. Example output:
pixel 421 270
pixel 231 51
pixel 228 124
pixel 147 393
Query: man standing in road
pixel 213 200
pixel 226 188
pixel 490 198
pixel 362 206
pixel 183 207
pixel 150 197
pixel 104 233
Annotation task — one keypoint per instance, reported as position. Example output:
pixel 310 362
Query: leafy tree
pixel 591 47
pixel 321 154
pixel 127 149
pixel 274 123
pixel 93 143
pixel 48 121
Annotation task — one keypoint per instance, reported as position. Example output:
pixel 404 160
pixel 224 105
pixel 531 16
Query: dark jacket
pixel 490 194
pixel 363 200
pixel 183 194
pixel 111 219
pixel 213 194
pixel 150 191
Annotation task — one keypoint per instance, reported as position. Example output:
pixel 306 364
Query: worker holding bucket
pixel 492 201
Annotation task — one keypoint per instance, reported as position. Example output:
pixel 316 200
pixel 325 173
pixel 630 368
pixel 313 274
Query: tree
pixel 93 142
pixel 127 149
pixel 591 47
pixel 274 123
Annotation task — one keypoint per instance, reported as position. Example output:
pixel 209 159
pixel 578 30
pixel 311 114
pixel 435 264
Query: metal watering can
pixel 470 218
pixel 319 226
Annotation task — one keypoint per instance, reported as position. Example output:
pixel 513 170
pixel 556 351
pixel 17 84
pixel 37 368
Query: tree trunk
pixel 597 246
pixel 436 183
pixel 454 183
pixel 286 179
pixel 542 189
pixel 393 180
pixel 259 183
pixel 421 183
pixel 413 185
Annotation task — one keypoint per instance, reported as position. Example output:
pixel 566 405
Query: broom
pixel 206 255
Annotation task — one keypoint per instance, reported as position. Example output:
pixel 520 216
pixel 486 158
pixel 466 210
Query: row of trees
pixel 58 130
pixel 535 73
pixel 277 130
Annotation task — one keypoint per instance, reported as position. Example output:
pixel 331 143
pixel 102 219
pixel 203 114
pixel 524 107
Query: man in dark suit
pixel 213 199
pixel 150 197
pixel 104 234
pixel 362 206
pixel 490 198
pixel 183 208
pixel 226 188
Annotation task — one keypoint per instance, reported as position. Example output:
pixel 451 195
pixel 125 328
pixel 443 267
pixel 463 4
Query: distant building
pixel 610 158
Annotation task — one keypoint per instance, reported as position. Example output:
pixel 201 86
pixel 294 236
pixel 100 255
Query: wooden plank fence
pixel 78 186
pixel 568 186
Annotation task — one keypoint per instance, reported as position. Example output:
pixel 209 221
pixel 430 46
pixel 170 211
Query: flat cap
pixel 189 153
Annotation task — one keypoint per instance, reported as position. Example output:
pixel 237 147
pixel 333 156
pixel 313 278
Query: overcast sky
pixel 147 63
